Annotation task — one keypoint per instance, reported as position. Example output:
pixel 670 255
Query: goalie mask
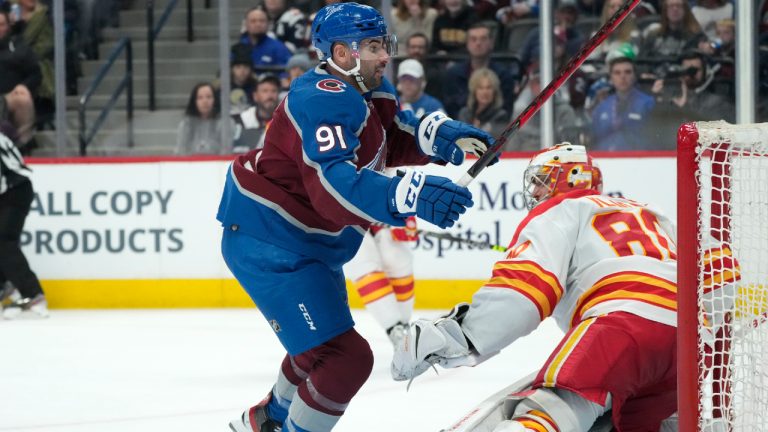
pixel 350 24
pixel 557 170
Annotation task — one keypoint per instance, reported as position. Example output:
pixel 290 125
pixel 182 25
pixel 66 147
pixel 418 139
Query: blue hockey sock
pixel 277 408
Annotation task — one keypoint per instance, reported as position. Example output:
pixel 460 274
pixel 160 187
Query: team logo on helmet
pixel 331 85
pixel 579 177
pixel 347 23
pixel 332 9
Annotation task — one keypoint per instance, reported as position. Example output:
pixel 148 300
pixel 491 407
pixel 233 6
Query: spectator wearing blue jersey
pixel 411 83
pixel 619 121
pixel 265 50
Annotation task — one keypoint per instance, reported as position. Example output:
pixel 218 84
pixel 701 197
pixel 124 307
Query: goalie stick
pixel 470 242
pixel 451 237
pixel 548 91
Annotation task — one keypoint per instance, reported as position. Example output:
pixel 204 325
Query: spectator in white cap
pixel 410 86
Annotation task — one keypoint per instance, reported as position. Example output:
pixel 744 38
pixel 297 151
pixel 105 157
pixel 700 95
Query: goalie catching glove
pixel 434 342
pixel 433 198
pixel 447 139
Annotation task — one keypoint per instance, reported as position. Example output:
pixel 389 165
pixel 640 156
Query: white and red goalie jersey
pixel 577 255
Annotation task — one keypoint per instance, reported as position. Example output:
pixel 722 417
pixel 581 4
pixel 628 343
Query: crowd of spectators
pixel 27 83
pixel 670 61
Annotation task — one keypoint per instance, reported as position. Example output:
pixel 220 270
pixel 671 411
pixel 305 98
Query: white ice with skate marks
pixel 194 370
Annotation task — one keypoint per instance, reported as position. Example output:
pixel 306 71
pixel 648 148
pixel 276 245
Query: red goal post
pixel 722 277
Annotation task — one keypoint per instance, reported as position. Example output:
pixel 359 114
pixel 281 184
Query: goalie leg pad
pixel 562 410
pixel 509 426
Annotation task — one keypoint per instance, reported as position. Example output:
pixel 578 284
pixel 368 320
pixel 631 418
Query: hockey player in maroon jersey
pixel 295 211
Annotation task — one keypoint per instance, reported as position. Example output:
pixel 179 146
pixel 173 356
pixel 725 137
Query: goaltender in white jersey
pixel 605 269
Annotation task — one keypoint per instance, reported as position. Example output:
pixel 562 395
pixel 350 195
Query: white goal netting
pixel 732 177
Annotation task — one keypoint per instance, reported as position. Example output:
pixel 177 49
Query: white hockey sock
pixel 405 295
pixel 379 298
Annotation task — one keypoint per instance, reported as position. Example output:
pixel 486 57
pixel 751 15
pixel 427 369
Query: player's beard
pixel 374 78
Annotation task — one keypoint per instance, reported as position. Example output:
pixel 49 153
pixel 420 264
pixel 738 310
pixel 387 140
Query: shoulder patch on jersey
pixel 331 85
pixel 515 252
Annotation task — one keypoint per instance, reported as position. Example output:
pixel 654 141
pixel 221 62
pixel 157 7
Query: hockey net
pixel 723 277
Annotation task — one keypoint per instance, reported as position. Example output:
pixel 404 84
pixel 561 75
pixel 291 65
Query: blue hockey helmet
pixel 349 23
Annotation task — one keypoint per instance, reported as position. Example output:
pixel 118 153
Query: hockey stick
pixel 548 91
pixel 448 236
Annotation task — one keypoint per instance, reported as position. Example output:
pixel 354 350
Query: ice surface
pixel 193 370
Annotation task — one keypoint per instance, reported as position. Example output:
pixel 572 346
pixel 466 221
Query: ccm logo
pixel 307 318
pixel 413 188
pixel 431 125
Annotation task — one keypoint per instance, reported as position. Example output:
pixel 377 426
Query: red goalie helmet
pixel 557 170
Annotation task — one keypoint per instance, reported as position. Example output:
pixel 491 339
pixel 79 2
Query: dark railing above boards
pixel 457 58
pixel 154 29
pixel 126 84
pixel 446 60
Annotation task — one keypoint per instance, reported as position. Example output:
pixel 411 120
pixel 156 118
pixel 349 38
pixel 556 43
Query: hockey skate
pixel 36 305
pixel 396 333
pixel 256 419
pixel 8 293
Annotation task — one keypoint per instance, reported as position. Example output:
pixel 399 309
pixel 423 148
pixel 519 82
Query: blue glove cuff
pixel 404 192
pixel 427 132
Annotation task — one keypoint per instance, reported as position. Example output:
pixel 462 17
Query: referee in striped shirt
pixel 20 290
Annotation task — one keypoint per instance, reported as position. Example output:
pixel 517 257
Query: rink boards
pixel 142 232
